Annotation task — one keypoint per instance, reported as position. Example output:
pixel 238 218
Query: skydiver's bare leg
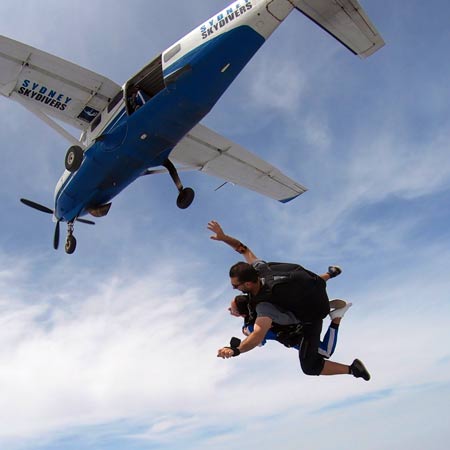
pixel 334 368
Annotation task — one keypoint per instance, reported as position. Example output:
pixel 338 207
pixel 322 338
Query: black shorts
pixel 310 361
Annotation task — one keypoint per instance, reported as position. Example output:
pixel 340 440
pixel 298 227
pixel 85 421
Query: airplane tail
pixel 346 21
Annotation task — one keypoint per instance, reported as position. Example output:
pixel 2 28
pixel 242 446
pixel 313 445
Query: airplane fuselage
pixel 196 71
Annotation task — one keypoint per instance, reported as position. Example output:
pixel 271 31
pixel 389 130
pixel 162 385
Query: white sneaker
pixel 337 303
pixel 340 312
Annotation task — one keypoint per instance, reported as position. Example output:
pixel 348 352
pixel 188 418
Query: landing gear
pixel 186 195
pixel 74 158
pixel 71 245
pixel 71 242
pixel 185 198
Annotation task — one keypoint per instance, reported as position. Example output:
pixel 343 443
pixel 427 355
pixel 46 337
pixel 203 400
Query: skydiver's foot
pixel 339 313
pixel 334 271
pixel 358 370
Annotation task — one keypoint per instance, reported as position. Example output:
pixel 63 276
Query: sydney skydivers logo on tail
pixel 224 18
pixel 43 94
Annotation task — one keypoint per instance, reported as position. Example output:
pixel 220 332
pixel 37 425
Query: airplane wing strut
pixel 70 93
pixel 48 120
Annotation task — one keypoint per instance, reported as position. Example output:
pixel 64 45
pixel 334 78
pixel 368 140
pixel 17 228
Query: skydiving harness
pixel 288 335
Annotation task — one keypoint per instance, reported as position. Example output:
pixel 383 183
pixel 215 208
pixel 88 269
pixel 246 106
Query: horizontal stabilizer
pixel 48 84
pixel 215 155
pixel 346 21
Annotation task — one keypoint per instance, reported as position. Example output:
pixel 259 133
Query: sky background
pixel 114 347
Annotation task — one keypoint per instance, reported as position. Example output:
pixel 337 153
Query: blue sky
pixel 114 347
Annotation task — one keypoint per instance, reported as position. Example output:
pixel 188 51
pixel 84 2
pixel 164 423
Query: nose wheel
pixel 71 242
pixel 185 195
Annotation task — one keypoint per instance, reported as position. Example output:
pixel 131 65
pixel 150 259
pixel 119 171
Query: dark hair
pixel 242 302
pixel 244 272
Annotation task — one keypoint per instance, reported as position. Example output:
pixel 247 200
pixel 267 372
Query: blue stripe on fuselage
pixel 113 163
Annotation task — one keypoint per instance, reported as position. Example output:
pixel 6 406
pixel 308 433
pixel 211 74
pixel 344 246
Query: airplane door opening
pixel 144 85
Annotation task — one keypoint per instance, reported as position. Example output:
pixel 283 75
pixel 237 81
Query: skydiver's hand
pixel 216 228
pixel 225 353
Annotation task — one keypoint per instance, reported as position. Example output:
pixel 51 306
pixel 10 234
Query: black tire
pixel 74 158
pixel 71 244
pixel 185 198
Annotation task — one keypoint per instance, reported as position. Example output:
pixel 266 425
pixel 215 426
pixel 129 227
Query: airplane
pixel 151 124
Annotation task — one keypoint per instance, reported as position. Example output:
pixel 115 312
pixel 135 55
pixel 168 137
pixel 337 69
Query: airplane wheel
pixel 185 198
pixel 74 158
pixel 71 244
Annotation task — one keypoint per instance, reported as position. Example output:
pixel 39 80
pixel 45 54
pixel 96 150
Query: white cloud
pixel 391 164
pixel 142 349
pixel 101 353
pixel 277 85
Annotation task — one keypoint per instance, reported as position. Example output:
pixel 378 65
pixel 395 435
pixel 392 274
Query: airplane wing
pixel 46 84
pixel 346 21
pixel 215 155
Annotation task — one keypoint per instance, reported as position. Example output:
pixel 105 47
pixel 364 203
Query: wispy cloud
pixel 351 402
pixel 105 351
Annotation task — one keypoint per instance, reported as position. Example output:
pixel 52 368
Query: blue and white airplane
pixel 151 123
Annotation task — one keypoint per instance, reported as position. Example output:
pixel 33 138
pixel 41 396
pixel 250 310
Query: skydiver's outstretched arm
pixel 238 308
pixel 231 241
pixel 261 327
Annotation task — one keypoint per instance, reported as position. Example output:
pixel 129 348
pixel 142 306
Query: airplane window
pixel 172 52
pixel 115 100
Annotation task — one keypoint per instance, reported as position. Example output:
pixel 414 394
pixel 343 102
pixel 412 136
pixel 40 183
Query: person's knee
pixel 313 366
pixel 310 371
